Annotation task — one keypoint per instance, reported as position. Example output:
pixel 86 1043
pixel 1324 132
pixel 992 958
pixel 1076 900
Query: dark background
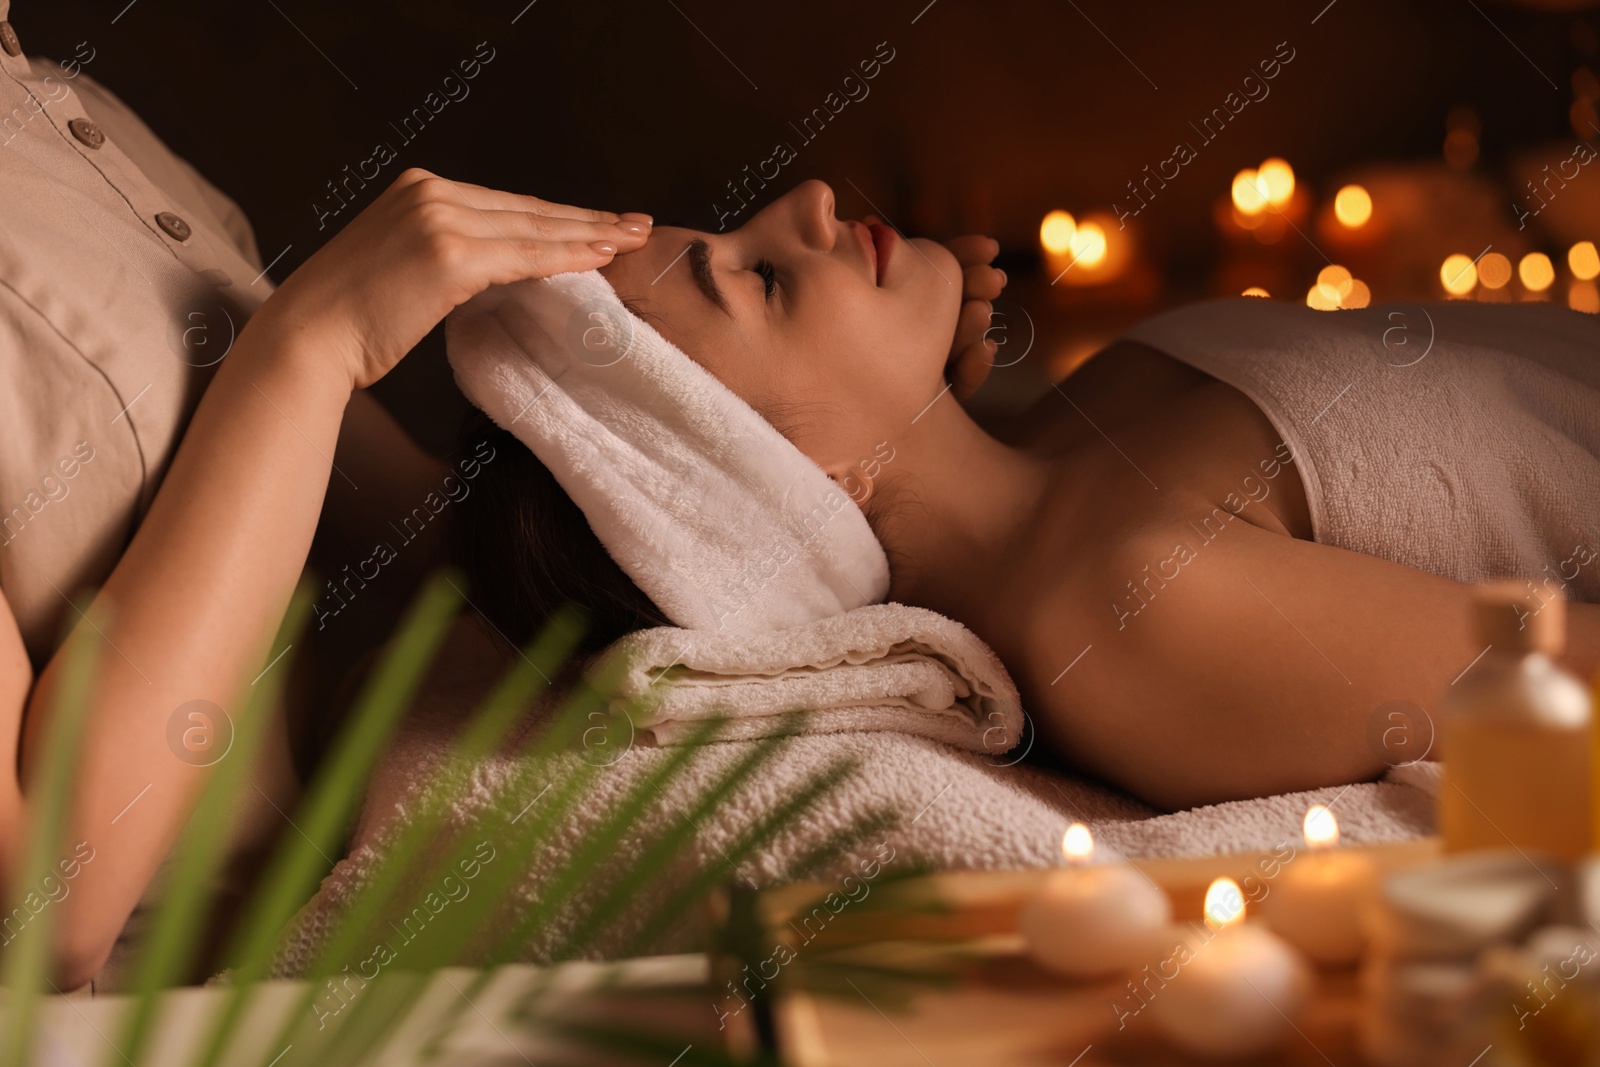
pixel 988 116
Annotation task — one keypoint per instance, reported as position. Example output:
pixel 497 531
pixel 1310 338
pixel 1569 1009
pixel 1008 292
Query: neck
pixel 960 504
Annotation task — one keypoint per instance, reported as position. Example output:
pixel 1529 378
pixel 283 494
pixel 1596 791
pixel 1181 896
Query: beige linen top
pixel 123 274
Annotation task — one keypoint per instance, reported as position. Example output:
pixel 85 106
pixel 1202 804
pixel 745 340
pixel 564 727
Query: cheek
pixel 881 360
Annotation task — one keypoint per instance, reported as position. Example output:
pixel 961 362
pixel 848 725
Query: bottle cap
pixel 1515 619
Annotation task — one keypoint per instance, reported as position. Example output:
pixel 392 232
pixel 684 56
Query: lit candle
pixel 1093 919
pixel 1319 896
pixel 1237 993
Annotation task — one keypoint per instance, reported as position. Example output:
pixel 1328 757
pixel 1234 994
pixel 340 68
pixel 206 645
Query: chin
pixel 941 259
pixel 939 290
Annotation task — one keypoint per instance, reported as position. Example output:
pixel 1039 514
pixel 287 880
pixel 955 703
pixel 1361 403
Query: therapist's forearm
pixel 194 601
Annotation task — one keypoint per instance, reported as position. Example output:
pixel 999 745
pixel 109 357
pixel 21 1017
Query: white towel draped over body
pixel 1462 438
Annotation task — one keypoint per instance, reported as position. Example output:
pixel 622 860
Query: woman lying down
pixel 1208 559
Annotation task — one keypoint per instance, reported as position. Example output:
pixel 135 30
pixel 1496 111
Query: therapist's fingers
pixel 971 324
pixel 982 282
pixel 973 249
pixel 628 234
pixel 971 369
pixel 499 261
pixel 485 199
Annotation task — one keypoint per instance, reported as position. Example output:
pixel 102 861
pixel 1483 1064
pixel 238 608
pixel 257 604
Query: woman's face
pixel 836 332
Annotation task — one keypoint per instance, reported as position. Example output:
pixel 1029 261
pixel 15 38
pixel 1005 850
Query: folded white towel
pixel 878 667
pixel 958 810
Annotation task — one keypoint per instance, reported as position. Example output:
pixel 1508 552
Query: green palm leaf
pixel 293 874
pixel 595 897
pixel 27 963
pixel 175 934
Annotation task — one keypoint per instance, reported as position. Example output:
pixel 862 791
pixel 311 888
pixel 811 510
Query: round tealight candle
pixel 1093 919
pixel 1237 993
pixel 1318 900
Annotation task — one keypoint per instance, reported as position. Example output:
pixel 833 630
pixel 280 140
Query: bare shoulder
pixel 1254 663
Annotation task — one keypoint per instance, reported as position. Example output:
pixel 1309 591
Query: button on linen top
pixel 124 276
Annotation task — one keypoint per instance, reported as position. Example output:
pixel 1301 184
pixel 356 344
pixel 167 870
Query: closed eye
pixel 769 276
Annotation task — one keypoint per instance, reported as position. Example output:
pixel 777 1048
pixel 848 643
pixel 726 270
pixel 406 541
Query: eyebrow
pixel 700 267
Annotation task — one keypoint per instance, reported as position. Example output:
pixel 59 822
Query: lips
pixel 863 237
pixel 883 242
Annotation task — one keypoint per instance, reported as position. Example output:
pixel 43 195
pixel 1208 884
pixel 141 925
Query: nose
pixel 812 207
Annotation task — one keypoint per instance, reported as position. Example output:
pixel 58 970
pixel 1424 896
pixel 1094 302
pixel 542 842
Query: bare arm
pixel 1258 668
pixel 211 568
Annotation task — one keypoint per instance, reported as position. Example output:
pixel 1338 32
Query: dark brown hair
pixel 527 549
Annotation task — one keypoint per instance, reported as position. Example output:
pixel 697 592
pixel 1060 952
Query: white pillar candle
pixel 1319 897
pixel 1238 993
pixel 1093 919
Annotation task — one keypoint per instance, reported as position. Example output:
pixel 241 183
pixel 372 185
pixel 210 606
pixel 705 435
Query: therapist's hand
pixel 971 351
pixel 424 246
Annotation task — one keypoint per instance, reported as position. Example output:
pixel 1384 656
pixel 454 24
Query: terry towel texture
pixel 879 667
pixel 1462 439
pixel 956 810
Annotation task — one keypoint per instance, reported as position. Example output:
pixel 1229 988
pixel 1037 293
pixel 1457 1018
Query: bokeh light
pixel 1459 274
pixel 1089 244
pixel 1352 206
pixel 1056 231
pixel 1276 179
pixel 1322 298
pixel 1256 290
pixel 1337 289
pixel 1536 272
pixel 1584 260
pixel 1584 296
pixel 1494 270
pixel 1249 192
pixel 1337 279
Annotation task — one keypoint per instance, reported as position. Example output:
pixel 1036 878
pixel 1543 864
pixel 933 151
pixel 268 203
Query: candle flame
pixel 1224 904
pixel 1077 844
pixel 1321 828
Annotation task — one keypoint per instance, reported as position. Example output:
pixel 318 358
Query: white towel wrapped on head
pixel 712 512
